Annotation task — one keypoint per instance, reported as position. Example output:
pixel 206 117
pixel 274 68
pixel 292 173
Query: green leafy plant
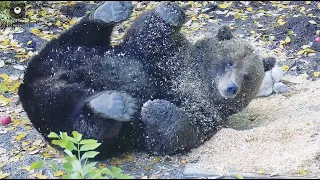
pixel 77 166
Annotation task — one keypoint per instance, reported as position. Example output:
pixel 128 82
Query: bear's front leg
pixel 103 114
pixel 167 128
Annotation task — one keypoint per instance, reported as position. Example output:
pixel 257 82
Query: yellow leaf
pixel 262 171
pixel 310 15
pixel 4 175
pixel 6 41
pixel 29 42
pixel 5 77
pixel 249 9
pixel 72 22
pixel 287 40
pixel 302 172
pixel 285 68
pixel 20 136
pixel 252 32
pixel 281 21
pixel 58 173
pixel 66 26
pixel 14 44
pixel 225 5
pixel 318 5
pixel 194 18
pixel 132 18
pixel 58 23
pixel 308 2
pixel 232 26
pixel 43 13
pixel 239 176
pixel 28 128
pixel 308 50
pixel 300 52
pixel 10 128
pixel 190 2
pixel 35 31
pixel 30 13
pixel 316 74
pixel 260 11
pixel 25 143
pixel 236 15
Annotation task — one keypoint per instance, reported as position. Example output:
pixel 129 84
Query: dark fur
pixel 154 62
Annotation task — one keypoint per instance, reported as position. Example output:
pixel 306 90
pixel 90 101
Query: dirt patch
pixel 277 134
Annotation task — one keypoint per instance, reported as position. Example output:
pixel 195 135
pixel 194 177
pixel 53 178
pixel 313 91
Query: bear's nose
pixel 232 88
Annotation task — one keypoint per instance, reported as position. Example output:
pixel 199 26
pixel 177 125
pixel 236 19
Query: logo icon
pixel 17 10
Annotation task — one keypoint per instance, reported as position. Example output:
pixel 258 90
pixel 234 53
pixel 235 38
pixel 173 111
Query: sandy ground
pixel 277 134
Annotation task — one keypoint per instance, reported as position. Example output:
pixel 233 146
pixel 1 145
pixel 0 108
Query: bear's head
pixel 232 67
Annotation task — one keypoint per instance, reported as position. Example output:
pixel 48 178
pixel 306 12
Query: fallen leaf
pixel 316 74
pixel 287 40
pixel 4 175
pixel 73 21
pixel 285 68
pixel 262 171
pixel 225 5
pixel 58 23
pixel 305 51
pixel 20 136
pixel 302 172
pixel 281 21
pixel 35 31
pixel 239 176
pixel 58 173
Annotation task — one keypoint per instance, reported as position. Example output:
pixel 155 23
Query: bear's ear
pixel 224 33
pixel 268 63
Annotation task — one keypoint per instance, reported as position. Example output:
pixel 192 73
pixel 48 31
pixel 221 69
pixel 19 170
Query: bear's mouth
pixel 227 95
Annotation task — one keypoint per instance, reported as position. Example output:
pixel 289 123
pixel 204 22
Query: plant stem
pixel 79 159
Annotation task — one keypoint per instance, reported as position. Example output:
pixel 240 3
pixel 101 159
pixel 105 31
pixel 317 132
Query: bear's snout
pixel 232 88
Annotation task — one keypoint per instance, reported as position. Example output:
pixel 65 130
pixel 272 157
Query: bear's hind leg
pixel 112 11
pixel 114 105
pixel 95 29
pixel 171 13
pixel 154 34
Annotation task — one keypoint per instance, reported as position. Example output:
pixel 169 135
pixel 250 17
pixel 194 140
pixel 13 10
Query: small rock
pixel 20 67
pixel 280 88
pixel 2 63
pixel 2 150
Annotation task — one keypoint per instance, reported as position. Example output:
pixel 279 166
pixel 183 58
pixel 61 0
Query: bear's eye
pixel 230 65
